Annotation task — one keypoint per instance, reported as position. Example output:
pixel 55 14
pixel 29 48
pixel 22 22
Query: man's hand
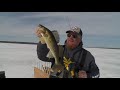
pixel 82 74
pixel 38 33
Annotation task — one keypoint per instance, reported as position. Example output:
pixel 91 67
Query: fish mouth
pixel 42 29
pixel 40 26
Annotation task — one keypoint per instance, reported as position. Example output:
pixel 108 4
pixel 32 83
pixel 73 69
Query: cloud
pixel 24 23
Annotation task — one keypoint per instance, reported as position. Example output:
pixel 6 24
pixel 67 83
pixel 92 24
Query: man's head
pixel 74 37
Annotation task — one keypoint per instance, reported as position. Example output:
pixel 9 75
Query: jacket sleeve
pixel 42 52
pixel 93 69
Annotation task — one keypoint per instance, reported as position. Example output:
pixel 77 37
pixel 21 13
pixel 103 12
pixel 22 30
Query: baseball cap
pixel 76 30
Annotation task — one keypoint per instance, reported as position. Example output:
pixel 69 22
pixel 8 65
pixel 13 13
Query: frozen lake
pixel 18 60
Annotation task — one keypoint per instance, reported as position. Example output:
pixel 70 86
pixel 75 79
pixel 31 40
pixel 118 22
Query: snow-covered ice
pixel 18 60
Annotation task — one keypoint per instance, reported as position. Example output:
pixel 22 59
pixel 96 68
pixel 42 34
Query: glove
pixel 38 33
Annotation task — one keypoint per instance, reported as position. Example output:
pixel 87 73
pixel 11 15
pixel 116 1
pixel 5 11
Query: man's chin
pixel 70 46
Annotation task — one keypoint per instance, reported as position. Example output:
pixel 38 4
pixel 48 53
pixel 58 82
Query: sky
pixel 20 26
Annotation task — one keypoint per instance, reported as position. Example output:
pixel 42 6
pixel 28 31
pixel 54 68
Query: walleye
pixel 52 45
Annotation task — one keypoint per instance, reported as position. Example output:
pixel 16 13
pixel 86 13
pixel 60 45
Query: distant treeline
pixel 17 42
pixel 36 43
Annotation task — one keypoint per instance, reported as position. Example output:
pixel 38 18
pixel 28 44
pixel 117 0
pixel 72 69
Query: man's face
pixel 73 40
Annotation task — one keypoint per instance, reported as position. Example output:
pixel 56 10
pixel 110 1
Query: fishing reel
pixel 56 74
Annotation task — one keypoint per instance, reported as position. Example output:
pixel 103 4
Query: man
pixel 78 62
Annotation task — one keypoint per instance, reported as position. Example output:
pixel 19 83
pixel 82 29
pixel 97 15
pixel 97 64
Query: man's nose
pixel 72 36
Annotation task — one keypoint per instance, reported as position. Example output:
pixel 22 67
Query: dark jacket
pixel 89 65
pixel 42 52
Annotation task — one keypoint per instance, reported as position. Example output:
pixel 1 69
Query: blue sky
pixel 23 24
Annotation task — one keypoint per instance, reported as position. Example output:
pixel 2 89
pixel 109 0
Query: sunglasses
pixel 73 35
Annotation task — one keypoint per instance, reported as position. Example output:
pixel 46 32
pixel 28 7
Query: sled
pixel 38 73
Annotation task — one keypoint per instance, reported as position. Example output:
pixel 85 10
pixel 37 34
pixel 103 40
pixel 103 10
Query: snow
pixel 18 60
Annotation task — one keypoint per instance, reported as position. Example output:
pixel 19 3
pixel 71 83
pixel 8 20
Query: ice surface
pixel 18 60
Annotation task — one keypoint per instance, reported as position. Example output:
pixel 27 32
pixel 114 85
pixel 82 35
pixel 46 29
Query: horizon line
pixel 33 43
pixel 17 42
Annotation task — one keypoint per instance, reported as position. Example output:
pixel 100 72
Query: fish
pixel 52 45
